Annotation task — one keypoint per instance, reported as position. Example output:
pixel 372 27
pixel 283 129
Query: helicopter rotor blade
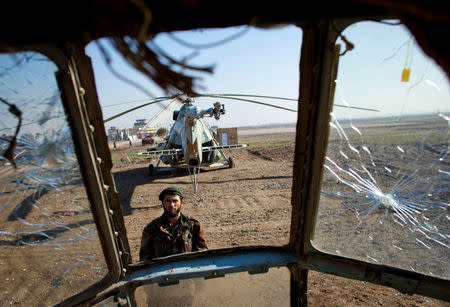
pixel 231 97
pixel 257 96
pixel 356 108
pixel 278 98
pixel 248 100
pixel 156 100
pixel 124 103
pixel 165 113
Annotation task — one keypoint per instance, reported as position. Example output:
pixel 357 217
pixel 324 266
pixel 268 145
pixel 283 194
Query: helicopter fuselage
pixel 191 132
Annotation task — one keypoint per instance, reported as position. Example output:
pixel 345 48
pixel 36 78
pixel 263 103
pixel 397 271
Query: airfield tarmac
pixel 245 206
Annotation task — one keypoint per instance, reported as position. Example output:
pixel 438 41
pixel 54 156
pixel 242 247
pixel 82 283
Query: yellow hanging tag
pixel 405 74
pixel 407 70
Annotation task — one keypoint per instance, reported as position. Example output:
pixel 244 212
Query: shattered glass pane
pixel 386 186
pixel 49 249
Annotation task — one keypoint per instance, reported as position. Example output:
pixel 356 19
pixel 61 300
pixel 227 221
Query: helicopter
pixel 182 149
pixel 191 143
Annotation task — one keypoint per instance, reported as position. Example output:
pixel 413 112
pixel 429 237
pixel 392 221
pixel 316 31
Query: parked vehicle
pixel 148 140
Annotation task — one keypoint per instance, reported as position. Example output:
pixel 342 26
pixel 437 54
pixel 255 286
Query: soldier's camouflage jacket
pixel 160 239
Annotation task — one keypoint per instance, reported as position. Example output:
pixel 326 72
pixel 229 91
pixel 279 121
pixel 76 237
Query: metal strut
pixel 194 176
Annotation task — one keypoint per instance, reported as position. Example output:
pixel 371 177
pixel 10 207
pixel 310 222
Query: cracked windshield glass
pixel 49 249
pixel 385 192
pixel 229 149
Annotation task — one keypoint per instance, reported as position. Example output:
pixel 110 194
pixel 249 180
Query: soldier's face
pixel 172 205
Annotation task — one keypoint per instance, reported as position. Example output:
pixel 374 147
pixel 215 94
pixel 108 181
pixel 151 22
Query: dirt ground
pixel 248 205
pixel 245 206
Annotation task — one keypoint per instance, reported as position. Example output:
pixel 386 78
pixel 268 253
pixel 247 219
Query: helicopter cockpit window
pixel 241 193
pixel 49 249
pixel 386 184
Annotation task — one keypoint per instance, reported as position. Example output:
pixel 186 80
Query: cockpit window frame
pixel 72 82
pixel 318 68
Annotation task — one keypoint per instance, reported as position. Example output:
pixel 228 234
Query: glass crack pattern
pixel 49 248
pixel 386 187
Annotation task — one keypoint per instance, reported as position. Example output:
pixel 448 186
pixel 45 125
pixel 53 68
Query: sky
pixel 266 62
pixel 249 64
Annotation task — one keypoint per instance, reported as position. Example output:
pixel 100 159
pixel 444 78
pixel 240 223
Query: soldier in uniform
pixel 171 233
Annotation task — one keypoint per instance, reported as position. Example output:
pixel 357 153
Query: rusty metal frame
pixel 73 96
pixel 95 118
pixel 259 259
pixel 79 98
pixel 318 68
pixel 317 71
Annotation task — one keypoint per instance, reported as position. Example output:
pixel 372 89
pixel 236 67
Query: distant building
pixel 132 132
pixel 227 136
pixel 139 124
pixel 113 134
pixel 137 132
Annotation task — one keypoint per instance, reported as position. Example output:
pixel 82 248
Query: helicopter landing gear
pixel 194 176
pixel 230 162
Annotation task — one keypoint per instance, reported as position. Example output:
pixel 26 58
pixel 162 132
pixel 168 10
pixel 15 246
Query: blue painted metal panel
pixel 212 266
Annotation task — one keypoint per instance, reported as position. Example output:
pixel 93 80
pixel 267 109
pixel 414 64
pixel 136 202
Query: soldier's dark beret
pixel 170 191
